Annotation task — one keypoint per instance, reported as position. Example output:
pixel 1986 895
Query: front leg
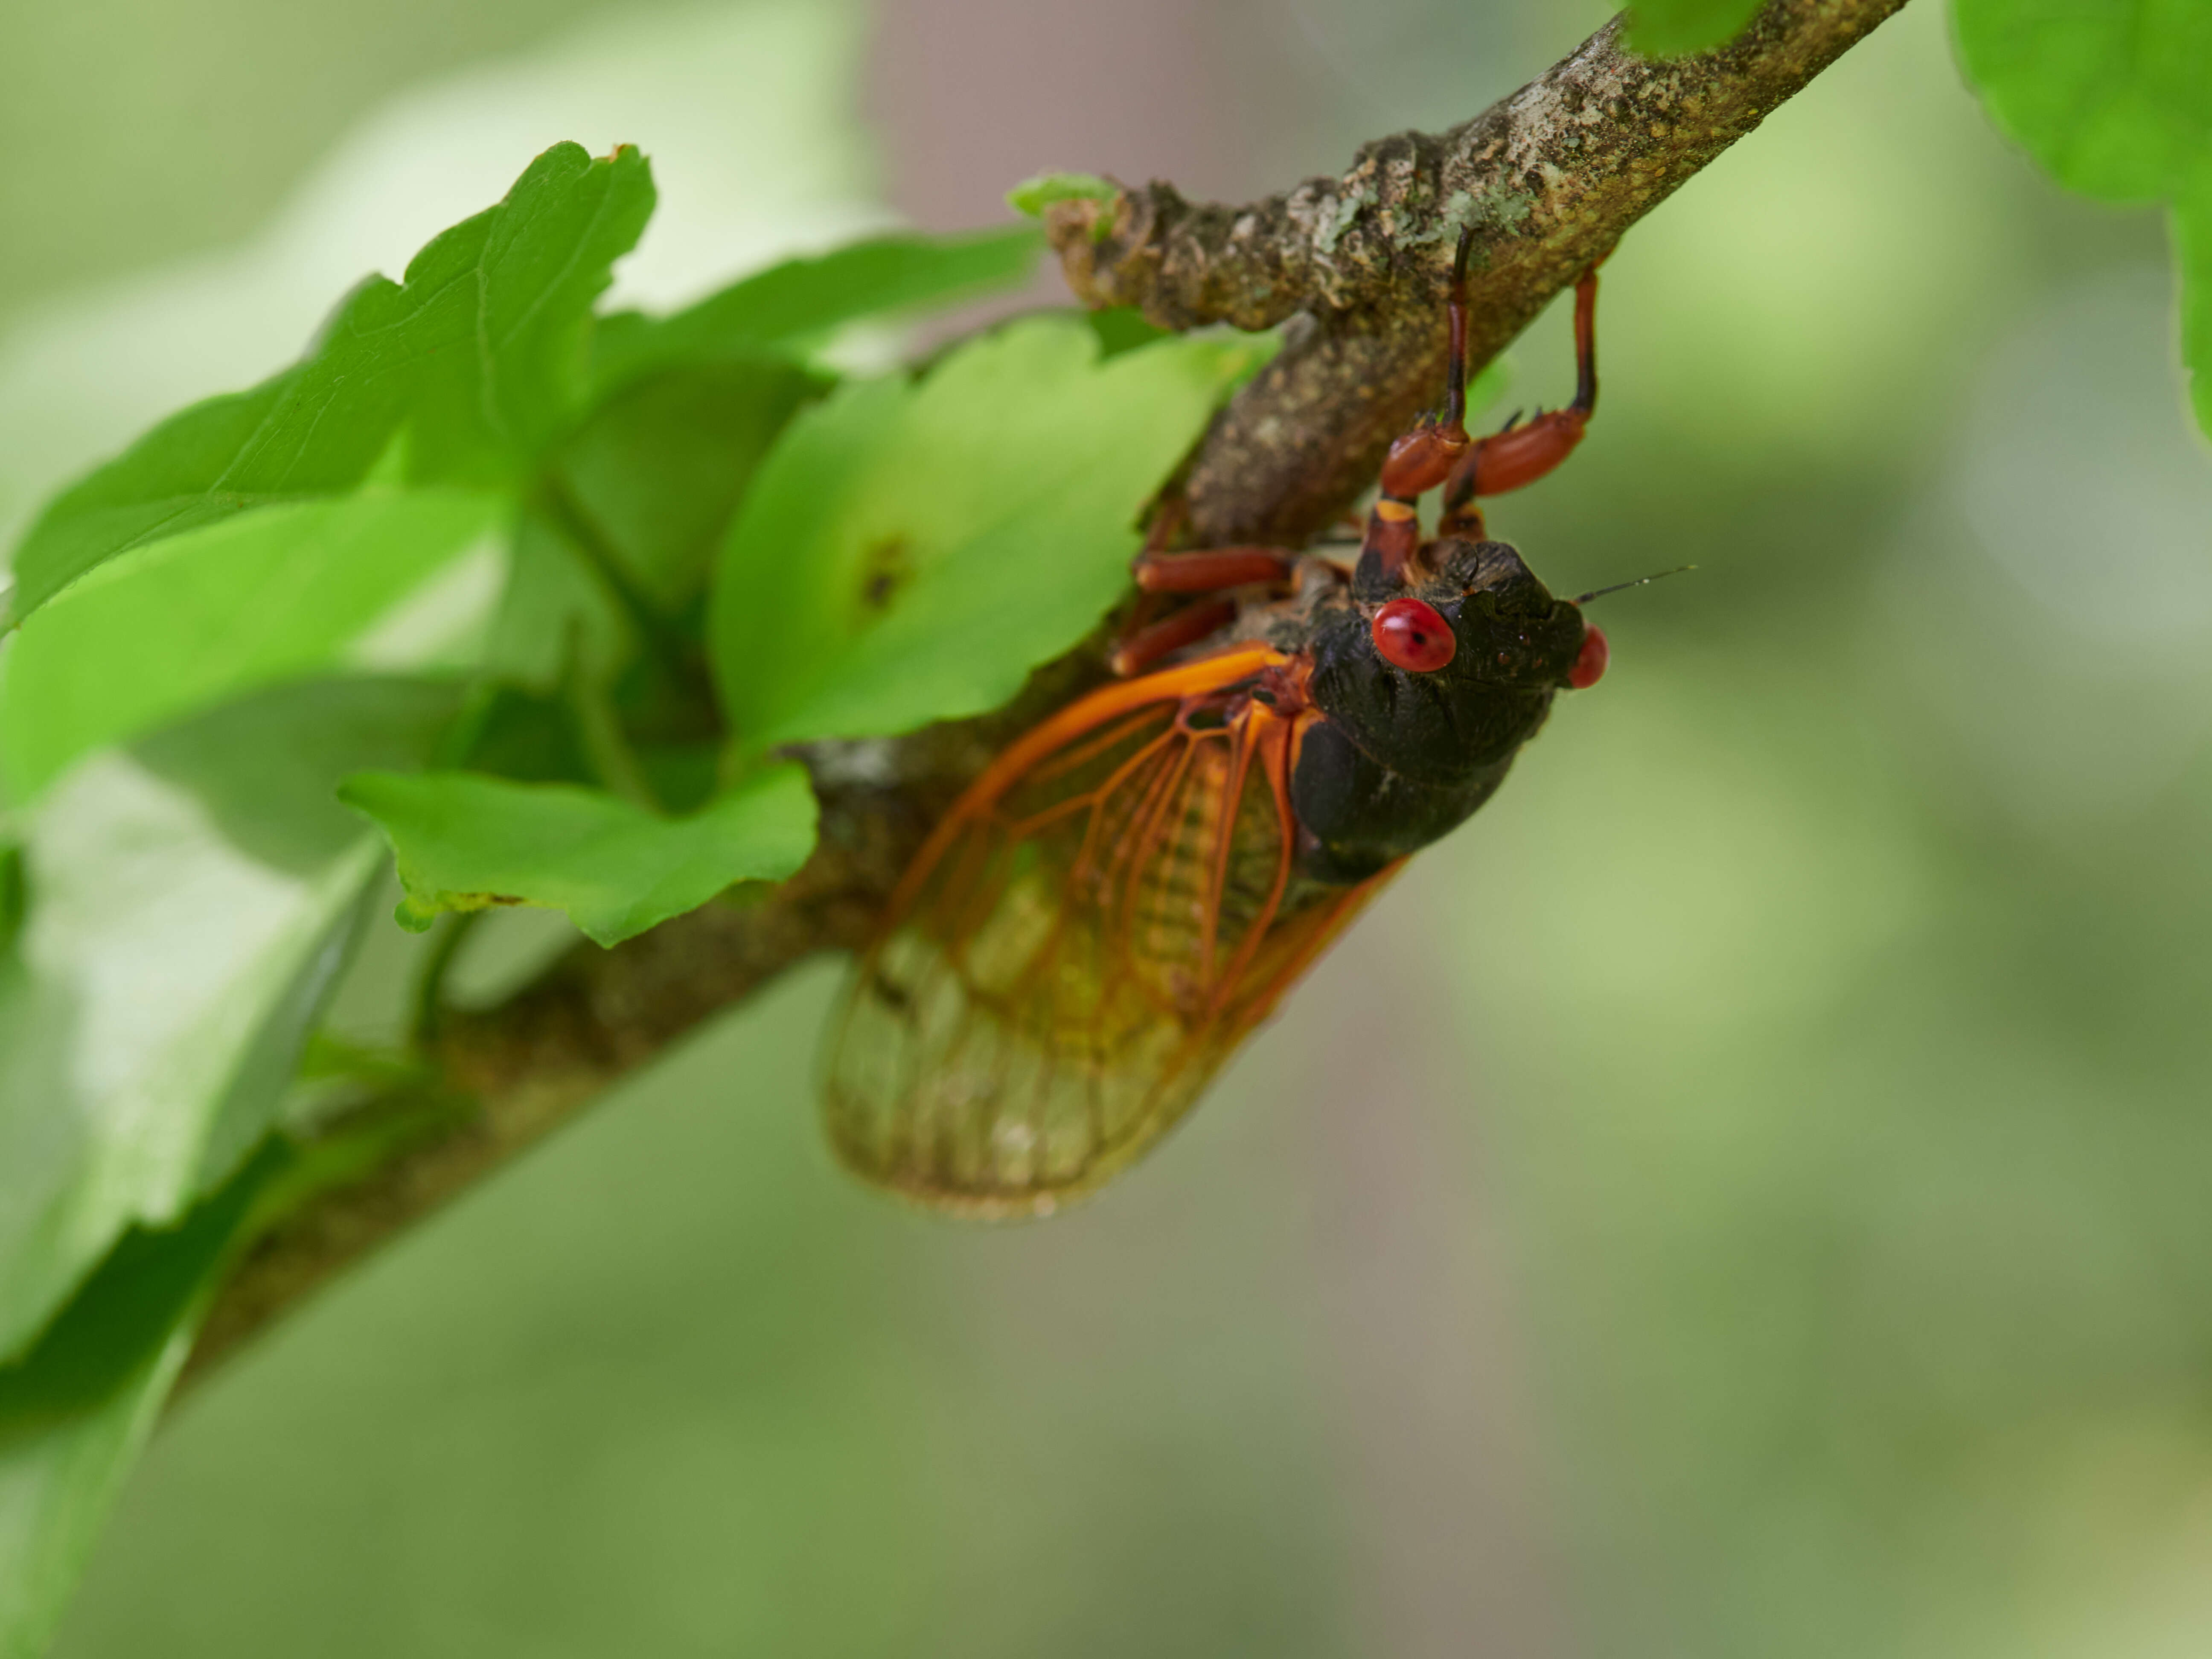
pixel 1521 454
pixel 1420 459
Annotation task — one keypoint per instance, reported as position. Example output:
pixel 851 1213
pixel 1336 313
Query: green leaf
pixel 57 1486
pixel 2111 98
pixel 75 1410
pixel 191 901
pixel 558 617
pixel 1034 196
pixel 15 894
pixel 464 841
pixel 386 580
pixel 798 304
pixel 548 252
pixel 655 472
pixel 512 731
pixel 1670 29
pixel 1123 328
pixel 911 549
pixel 2192 246
pixel 479 353
pixel 123 1315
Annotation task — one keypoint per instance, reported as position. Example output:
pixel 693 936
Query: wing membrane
pixel 1089 935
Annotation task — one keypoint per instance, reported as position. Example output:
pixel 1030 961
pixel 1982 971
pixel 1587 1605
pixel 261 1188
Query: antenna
pixel 1600 593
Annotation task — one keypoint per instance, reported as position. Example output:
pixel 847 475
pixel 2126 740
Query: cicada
pixel 1128 891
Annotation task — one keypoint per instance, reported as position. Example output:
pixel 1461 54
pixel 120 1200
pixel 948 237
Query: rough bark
pixel 1549 179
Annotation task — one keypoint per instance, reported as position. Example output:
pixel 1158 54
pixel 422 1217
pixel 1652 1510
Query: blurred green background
pixel 1744 1195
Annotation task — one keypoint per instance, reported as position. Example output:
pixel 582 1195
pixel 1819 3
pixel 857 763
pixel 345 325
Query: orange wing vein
pixel 1108 911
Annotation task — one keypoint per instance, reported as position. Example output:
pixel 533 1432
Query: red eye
pixel 1590 661
pixel 1413 636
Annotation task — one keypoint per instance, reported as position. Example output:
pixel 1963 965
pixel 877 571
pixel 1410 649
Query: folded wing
pixel 1095 927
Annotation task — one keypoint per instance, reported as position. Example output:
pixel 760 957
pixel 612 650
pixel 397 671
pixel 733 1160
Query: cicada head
pixel 1429 687
pixel 1445 675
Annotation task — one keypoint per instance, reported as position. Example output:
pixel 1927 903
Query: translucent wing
pixel 1088 936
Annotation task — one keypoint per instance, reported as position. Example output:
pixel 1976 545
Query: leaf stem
pixel 567 514
pixel 605 744
pixel 428 1000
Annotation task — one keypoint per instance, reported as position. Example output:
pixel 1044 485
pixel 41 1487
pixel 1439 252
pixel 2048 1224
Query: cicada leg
pixel 1521 454
pixel 1424 457
pixel 1211 569
pixel 1208 570
pixel 1141 647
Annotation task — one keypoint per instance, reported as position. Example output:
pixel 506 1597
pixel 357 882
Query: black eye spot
pixel 884 569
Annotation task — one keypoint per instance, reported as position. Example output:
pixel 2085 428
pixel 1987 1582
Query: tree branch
pixel 1549 179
